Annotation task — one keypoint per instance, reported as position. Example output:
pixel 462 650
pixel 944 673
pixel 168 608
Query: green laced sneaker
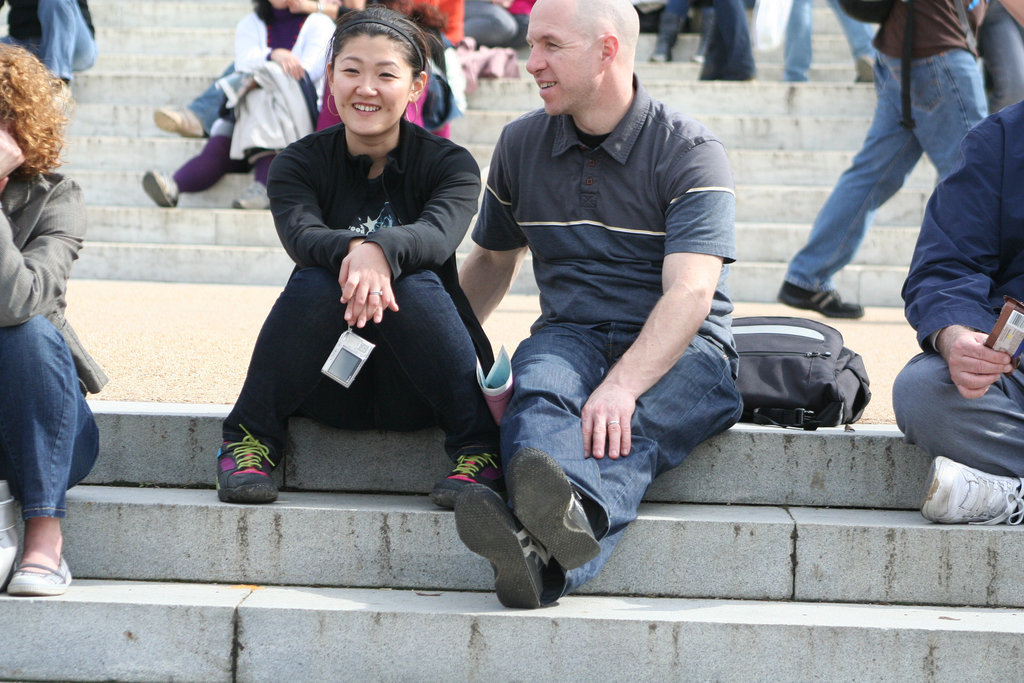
pixel 470 468
pixel 243 471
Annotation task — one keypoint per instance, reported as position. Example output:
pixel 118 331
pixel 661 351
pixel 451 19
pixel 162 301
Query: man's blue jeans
pixel 422 373
pixel 559 366
pixel 48 437
pixel 66 45
pixel 208 105
pixel 797 51
pixel 947 99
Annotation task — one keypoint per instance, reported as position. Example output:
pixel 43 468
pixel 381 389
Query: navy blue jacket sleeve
pixel 958 264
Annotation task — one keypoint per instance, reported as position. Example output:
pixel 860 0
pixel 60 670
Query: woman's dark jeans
pixel 422 373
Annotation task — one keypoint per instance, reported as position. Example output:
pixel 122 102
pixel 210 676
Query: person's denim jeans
pixel 66 45
pixel 208 106
pixel 797 51
pixel 48 437
pixel 422 373
pixel 1001 41
pixel 728 55
pixel 947 99
pixel 555 371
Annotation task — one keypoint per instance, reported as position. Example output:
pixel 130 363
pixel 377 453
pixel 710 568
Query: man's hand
pixel 365 280
pixel 973 367
pixel 289 62
pixel 11 157
pixel 606 417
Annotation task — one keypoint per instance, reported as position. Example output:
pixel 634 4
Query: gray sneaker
pixel 8 535
pixel 957 494
pixel 254 197
pixel 550 508
pixel 488 528
pixel 160 188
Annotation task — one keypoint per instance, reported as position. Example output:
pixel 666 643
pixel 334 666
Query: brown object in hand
pixel 1007 334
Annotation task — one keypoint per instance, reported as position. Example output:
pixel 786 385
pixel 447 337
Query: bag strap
pixel 906 115
pixel 972 42
pixel 783 417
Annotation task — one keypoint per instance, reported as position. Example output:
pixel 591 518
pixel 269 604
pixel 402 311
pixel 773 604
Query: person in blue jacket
pixel 959 400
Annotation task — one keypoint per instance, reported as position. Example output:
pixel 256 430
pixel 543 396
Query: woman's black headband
pixel 394 28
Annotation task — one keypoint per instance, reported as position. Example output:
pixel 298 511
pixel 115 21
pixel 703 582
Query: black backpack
pixel 795 372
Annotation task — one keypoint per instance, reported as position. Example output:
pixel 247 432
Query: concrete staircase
pixel 769 554
pixel 788 144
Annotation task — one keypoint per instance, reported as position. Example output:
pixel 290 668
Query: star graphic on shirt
pixel 368 225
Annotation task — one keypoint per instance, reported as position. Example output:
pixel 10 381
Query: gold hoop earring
pixel 330 101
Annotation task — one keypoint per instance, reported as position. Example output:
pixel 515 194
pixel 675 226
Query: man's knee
pixel 923 381
pixel 31 342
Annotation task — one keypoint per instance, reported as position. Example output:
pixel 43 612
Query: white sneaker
pixel 254 197
pixel 180 120
pixel 8 536
pixel 45 583
pixel 957 494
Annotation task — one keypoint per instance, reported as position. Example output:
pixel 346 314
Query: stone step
pixel 750 166
pixel 756 242
pixel 363 540
pixel 701 97
pixel 170 445
pixel 871 285
pixel 178 14
pixel 236 265
pixel 145 631
pixel 132 124
pixel 214 63
pixel 401 541
pixel 208 39
pixel 770 68
pixel 480 129
pixel 196 41
pixel 754 203
pixel 761 98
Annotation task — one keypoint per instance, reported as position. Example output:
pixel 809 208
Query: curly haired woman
pixel 48 437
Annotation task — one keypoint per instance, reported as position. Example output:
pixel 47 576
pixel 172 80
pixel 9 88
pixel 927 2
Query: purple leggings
pixel 206 168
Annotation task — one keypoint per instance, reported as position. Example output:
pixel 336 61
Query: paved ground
pixel 184 343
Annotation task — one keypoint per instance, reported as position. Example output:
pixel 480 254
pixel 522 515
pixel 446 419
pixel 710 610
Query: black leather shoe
pixel 827 303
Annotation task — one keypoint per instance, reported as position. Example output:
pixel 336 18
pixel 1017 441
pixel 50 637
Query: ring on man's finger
pixel 612 422
pixel 375 293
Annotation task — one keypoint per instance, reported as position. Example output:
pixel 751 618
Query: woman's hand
pixel 11 157
pixel 289 62
pixel 365 280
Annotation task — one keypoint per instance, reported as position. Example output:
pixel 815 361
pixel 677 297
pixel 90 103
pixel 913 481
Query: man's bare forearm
pixel 486 277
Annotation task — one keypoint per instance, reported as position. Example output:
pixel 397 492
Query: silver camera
pixel 347 358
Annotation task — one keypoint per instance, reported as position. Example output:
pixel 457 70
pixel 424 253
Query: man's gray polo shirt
pixel 600 222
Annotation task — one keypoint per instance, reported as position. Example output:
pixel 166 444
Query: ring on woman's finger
pixel 612 422
pixel 375 293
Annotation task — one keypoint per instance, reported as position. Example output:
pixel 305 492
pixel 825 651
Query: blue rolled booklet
pixel 497 384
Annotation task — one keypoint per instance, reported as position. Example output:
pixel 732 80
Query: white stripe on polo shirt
pixel 594 224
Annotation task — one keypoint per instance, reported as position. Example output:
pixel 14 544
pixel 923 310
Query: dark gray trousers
pixel 985 433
